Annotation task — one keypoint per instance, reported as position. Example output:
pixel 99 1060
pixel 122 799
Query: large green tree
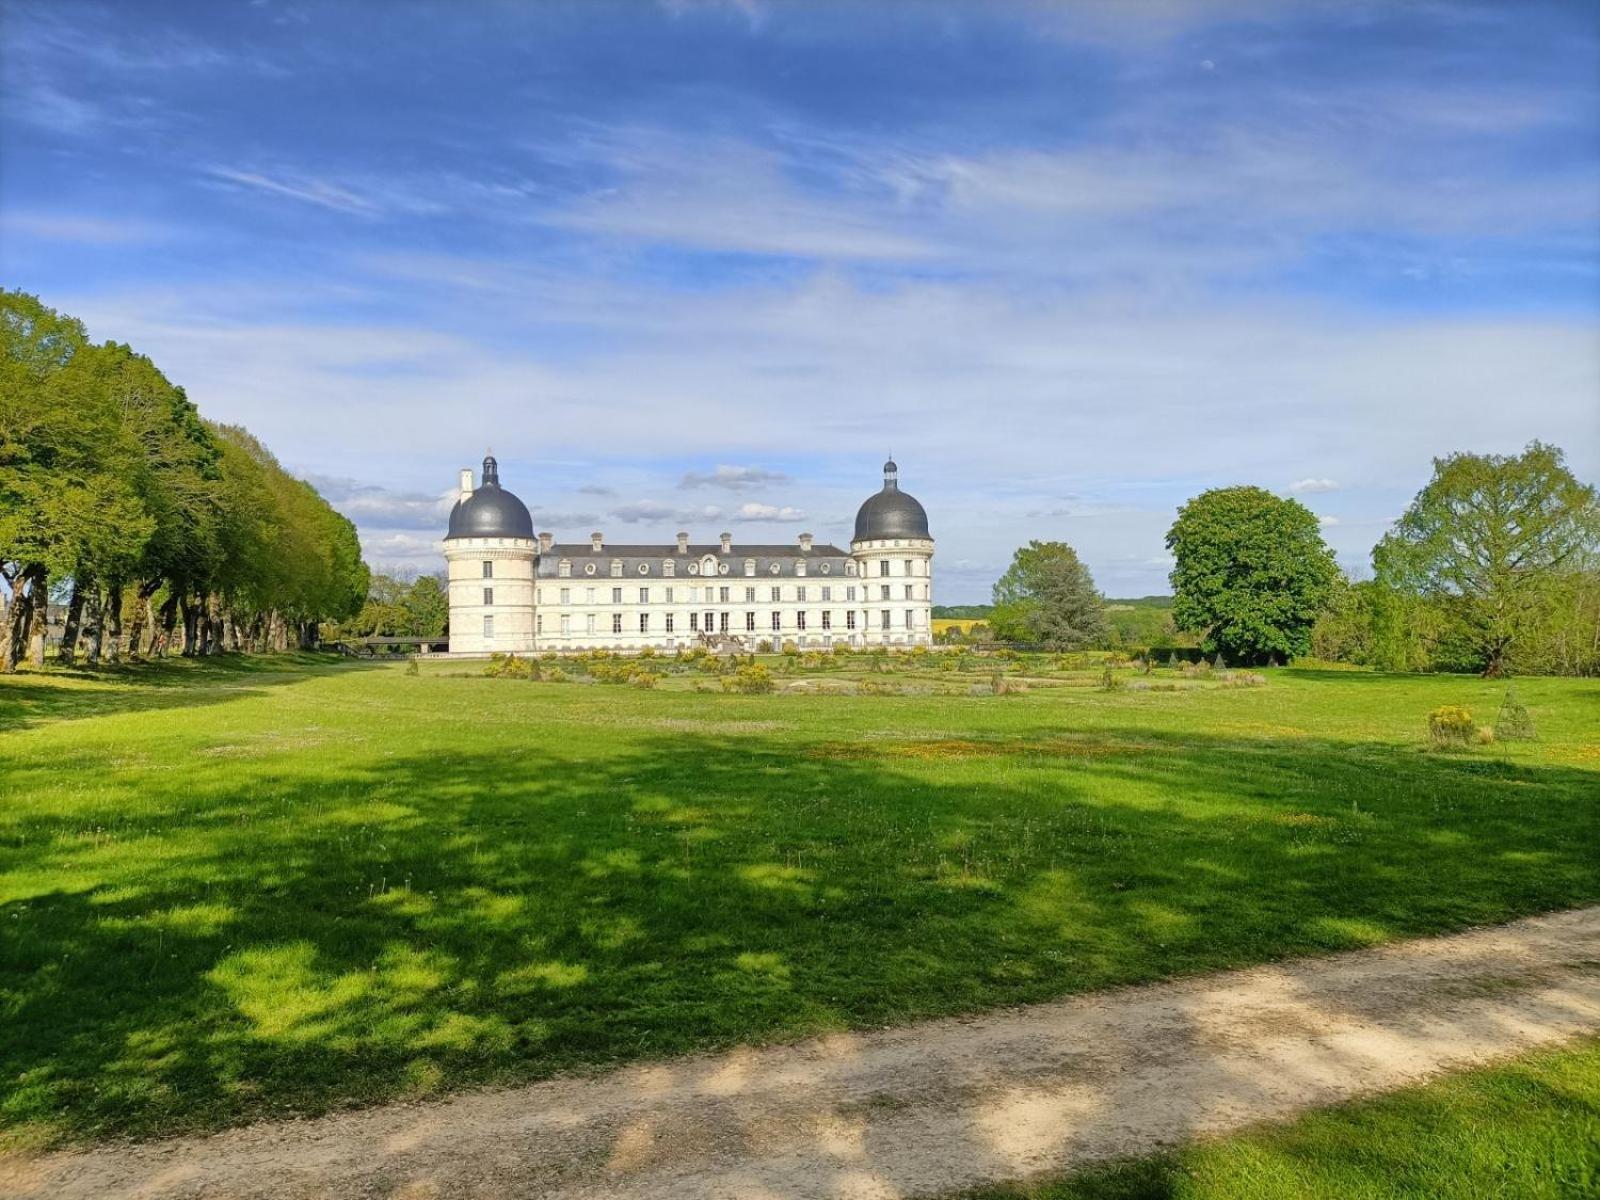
pixel 427 606
pixel 1493 538
pixel 1251 573
pixel 1047 596
pixel 110 478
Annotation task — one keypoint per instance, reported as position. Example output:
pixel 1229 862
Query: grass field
pixel 1529 1129
pixel 254 888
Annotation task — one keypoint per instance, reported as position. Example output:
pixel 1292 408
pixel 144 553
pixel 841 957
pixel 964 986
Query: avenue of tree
pixel 163 531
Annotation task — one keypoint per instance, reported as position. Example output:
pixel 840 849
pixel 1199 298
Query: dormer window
pixel 800 567
pixel 616 567
pixel 669 568
pixel 564 568
pixel 749 566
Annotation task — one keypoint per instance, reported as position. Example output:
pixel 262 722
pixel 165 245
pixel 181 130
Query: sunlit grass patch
pixel 468 881
pixel 1528 1129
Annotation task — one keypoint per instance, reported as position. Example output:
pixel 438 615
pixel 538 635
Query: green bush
pixel 509 666
pixel 1110 681
pixel 1450 727
pixel 1244 679
pixel 751 679
pixel 1001 686
pixel 1514 724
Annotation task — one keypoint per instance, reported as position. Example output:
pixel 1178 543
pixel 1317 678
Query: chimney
pixel 805 543
pixel 545 540
pixel 683 543
pixel 727 543
pixel 597 542
pixel 466 482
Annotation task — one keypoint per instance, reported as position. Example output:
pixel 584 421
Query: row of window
pixel 723 622
pixel 723 595
pixel 669 568
pixel 712 622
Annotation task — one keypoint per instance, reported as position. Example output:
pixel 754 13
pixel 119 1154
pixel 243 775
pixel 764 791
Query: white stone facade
pixel 491 594
pixel 532 595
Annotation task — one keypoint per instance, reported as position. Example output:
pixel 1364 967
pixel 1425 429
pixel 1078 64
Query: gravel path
pixel 922 1109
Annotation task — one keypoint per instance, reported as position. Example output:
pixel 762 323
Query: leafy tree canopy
pixel 1490 534
pixel 1251 573
pixel 1048 596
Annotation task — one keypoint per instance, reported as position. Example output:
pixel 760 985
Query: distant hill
pixel 962 612
pixel 1141 602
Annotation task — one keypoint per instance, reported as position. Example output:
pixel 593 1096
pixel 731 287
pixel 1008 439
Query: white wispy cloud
pixel 1313 485
pixel 768 512
pixel 733 478
pixel 311 190
pixel 640 511
pixel 84 228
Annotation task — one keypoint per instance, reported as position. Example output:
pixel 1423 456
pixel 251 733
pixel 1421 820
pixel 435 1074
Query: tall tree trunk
pixel 69 632
pixel 28 584
pixel 143 614
pixel 39 617
pixel 97 626
pixel 191 625
pixel 214 628
pixel 114 605
pixel 169 625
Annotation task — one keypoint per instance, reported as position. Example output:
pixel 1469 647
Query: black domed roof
pixel 891 513
pixel 490 511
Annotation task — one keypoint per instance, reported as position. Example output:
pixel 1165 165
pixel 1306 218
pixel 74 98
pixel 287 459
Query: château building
pixel 514 590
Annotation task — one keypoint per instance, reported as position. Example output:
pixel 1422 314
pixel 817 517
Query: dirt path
pixel 923 1109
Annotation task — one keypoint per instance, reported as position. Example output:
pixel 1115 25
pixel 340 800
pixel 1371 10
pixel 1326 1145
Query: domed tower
pixel 490 550
pixel 894 558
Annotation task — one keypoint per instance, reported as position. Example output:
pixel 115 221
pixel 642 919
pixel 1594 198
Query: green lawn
pixel 252 888
pixel 1529 1130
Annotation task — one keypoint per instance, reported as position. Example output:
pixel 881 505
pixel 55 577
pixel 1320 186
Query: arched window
pixel 669 568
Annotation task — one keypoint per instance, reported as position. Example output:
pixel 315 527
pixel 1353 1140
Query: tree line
pixel 1494 567
pixel 161 531
pixel 395 608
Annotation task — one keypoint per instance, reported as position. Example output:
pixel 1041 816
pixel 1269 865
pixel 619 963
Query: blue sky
pixel 697 265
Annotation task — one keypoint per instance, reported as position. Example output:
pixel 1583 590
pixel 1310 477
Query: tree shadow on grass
pixel 39 698
pixel 321 935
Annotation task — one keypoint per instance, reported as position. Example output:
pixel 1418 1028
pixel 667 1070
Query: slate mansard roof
pixel 821 561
